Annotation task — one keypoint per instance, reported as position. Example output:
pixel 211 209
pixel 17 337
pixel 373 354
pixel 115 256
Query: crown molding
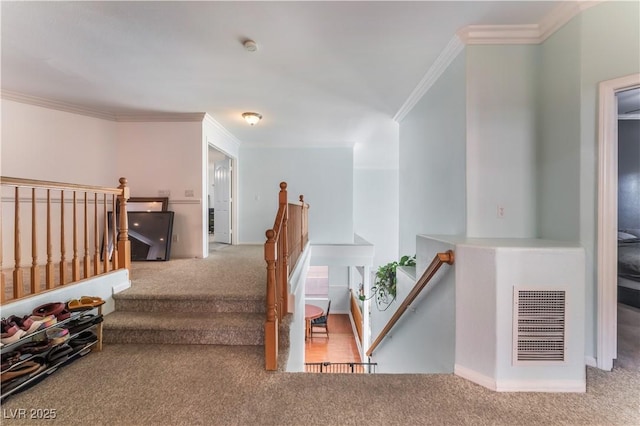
pixel 495 34
pixel 161 117
pixel 450 52
pixel 56 105
pixel 527 33
pixel 103 115
pixel 224 133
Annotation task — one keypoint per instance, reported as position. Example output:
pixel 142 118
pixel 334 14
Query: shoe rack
pixel 13 382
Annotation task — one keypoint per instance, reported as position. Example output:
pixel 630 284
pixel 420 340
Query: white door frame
pixel 607 243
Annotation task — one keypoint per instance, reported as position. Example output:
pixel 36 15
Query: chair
pixel 321 322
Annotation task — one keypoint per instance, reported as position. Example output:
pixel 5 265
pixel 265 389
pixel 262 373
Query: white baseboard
pixel 121 287
pixel 591 361
pixel 474 376
pixel 521 385
pixel 579 386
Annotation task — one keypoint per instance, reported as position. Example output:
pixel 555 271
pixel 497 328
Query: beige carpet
pixel 234 270
pixel 224 385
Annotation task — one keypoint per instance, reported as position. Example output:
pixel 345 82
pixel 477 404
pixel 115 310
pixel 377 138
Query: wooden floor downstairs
pixel 340 346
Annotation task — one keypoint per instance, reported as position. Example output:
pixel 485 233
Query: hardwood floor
pixel 340 346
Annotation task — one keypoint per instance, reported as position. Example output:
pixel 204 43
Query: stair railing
pixel 285 242
pixel 44 222
pixel 436 263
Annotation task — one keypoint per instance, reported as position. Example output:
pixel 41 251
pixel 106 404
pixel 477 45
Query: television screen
pixel 149 233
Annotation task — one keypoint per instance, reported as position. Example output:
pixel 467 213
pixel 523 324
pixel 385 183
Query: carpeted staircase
pixel 215 301
pixel 214 320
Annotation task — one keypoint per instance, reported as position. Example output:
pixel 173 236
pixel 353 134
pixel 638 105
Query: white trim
pixel 56 105
pixel 590 361
pixel 475 377
pixel 446 57
pixel 500 34
pixel 541 386
pixel 526 33
pixel 607 247
pixel 101 114
pixel 121 287
pixel 223 134
pixel 162 117
pixel 634 116
pixel 185 201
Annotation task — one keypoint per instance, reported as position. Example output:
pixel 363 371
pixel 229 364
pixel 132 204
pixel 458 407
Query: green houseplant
pixel 384 288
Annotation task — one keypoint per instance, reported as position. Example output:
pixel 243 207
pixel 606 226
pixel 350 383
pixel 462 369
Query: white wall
pixel 166 156
pixel 46 144
pixel 501 138
pixel 375 211
pixel 432 161
pixel 323 175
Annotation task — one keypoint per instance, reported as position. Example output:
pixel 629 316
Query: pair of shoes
pixel 59 354
pixel 10 332
pixel 35 366
pixel 26 367
pixel 57 335
pixel 77 325
pixel 85 303
pixel 47 321
pixel 10 358
pixel 26 323
pixel 58 309
pixel 36 347
pixel 82 340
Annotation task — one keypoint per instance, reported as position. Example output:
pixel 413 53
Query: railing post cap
pixel 123 181
pixel 283 185
pixel 270 234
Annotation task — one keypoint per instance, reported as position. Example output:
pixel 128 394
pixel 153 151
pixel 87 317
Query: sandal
pixel 92 300
pixel 77 305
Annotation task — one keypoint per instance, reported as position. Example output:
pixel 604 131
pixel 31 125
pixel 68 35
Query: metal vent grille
pixel 539 325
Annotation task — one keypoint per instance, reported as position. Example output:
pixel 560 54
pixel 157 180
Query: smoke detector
pixel 250 45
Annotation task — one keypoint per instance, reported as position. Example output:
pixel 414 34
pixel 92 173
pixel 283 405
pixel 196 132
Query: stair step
pixel 186 328
pixel 190 303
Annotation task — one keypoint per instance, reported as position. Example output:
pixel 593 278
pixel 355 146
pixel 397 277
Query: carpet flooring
pixel 225 385
pixel 162 384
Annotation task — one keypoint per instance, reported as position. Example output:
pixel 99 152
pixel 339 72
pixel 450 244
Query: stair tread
pixel 182 321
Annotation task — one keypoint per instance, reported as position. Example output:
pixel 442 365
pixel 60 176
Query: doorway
pixel 607 246
pixel 219 200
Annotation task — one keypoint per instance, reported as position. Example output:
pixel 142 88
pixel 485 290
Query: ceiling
pixel 325 73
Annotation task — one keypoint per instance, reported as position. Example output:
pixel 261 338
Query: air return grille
pixel 539 326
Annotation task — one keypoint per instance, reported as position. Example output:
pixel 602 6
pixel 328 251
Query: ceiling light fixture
pixel 250 45
pixel 252 117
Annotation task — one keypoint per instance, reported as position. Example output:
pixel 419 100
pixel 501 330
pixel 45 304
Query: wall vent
pixel 539 324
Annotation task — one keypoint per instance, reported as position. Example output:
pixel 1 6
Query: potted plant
pixel 384 288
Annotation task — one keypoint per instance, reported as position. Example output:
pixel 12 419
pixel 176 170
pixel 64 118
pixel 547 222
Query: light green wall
pixel 432 161
pixel 558 149
pixel 501 140
pixel 610 48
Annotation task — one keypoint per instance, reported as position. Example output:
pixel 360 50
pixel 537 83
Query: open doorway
pixel 608 220
pixel 219 200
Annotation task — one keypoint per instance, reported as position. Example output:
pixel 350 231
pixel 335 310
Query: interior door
pixel 222 201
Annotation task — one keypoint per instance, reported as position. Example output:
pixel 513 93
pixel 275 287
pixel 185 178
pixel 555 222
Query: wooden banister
pixel 83 251
pixel 281 250
pixel 439 259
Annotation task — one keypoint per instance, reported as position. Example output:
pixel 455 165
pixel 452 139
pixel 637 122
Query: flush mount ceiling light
pixel 250 45
pixel 251 117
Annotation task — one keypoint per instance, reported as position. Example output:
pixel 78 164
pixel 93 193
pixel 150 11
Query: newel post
pixel 271 324
pixel 302 224
pixel 124 245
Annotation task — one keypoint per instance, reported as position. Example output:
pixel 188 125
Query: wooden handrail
pixel 439 259
pixel 283 246
pixel 79 241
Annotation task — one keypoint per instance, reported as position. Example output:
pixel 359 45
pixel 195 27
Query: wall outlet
pixel 174 238
pixel 188 192
pixel 164 193
pixel 500 212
